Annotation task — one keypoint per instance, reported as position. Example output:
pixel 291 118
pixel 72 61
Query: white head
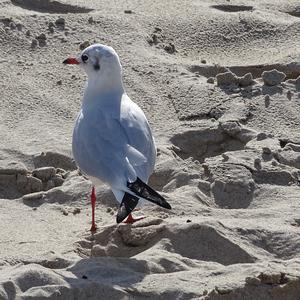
pixel 102 65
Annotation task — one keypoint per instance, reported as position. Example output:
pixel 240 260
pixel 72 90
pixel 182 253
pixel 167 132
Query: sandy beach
pixel 219 82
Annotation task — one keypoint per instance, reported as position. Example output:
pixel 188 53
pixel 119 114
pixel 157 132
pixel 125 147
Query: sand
pixel 219 82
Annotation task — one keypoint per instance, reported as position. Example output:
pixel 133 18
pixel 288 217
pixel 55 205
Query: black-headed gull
pixel 112 140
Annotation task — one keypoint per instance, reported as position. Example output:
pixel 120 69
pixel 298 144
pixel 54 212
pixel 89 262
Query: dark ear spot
pixel 97 67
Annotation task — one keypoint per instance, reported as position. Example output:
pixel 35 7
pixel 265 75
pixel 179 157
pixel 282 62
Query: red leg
pixel 93 202
pixel 130 219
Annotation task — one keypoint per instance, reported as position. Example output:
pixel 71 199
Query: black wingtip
pixel 143 190
pixel 165 204
pixel 129 202
pixel 168 206
pixel 121 214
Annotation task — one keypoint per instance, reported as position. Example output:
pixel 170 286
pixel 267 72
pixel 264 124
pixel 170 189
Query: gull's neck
pixel 99 88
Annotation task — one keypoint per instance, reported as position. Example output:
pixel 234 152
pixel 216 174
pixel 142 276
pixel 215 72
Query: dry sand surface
pixel 219 82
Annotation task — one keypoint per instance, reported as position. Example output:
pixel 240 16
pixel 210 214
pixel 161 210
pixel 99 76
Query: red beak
pixel 71 61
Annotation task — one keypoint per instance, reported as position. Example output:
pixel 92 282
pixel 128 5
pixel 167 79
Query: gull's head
pixel 98 61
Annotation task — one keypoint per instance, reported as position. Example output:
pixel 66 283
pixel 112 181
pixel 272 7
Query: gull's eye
pixel 84 58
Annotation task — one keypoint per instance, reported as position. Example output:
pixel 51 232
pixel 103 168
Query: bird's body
pixel 112 140
pixel 113 143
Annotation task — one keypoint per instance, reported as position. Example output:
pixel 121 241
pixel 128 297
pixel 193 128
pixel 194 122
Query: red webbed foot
pixel 130 219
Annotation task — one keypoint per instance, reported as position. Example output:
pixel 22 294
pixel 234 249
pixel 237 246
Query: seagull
pixel 112 140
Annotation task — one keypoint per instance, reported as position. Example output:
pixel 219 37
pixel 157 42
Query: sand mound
pixel 266 285
pixel 191 241
pixel 50 6
pixel 232 8
pixel 54 159
pixel 16 180
pixel 212 141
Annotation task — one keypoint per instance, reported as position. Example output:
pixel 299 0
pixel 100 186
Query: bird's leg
pixel 93 202
pixel 130 219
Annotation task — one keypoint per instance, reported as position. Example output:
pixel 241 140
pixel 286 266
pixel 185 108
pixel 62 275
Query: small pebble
pixel 41 39
pixel 188 221
pixel 12 25
pixel 60 22
pixel 34 197
pixel 267 100
pixel 84 277
pixel 252 281
pixel 227 78
pixel 51 27
pixel 153 39
pixel 225 157
pixel 170 48
pixel 66 175
pixel 60 170
pixel 59 82
pixel 84 45
pixel 19 26
pixel 289 95
pixel 76 211
pixel 257 163
pixel 246 80
pixel 261 136
pixel 211 80
pixel 65 212
pixel 273 77
pixel 44 173
pixel 6 21
pixel 203 61
pixel 58 180
pixel 34 43
pixel 36 184
pixel 41 36
pixel 266 150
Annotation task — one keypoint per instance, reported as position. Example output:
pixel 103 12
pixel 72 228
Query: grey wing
pixel 139 136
